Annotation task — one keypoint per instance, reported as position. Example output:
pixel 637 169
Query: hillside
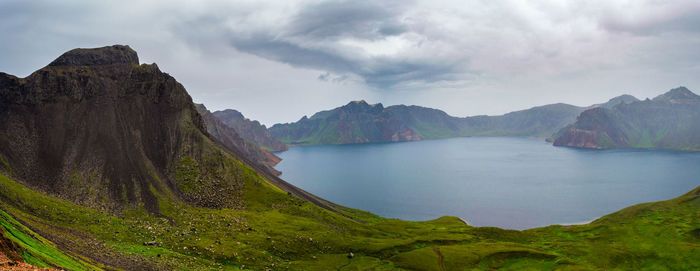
pixel 232 139
pixel 107 165
pixel 250 130
pixel 669 121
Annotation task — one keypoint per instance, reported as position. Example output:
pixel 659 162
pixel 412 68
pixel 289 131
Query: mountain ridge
pixel 250 130
pixel 669 121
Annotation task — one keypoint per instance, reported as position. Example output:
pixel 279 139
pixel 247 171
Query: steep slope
pixel 359 122
pixel 250 130
pixel 231 139
pixel 670 121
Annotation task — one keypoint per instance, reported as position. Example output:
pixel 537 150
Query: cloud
pixel 394 44
pixel 452 54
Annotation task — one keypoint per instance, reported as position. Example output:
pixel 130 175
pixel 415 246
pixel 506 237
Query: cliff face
pixel 359 122
pixel 671 120
pixel 232 139
pixel 97 128
pixel 250 130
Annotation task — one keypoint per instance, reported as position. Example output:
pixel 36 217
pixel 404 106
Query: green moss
pixel 37 250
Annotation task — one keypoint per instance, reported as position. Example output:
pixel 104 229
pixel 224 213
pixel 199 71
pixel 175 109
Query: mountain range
pixel 106 164
pixel 360 122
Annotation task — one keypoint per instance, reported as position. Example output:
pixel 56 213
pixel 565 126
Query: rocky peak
pixel 677 95
pixel 109 55
pixel 362 106
pixel 231 113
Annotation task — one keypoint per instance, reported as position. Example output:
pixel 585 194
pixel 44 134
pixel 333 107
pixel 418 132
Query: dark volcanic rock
pixel 112 55
pixel 97 128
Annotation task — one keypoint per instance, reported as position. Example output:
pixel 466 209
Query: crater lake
pixel 514 183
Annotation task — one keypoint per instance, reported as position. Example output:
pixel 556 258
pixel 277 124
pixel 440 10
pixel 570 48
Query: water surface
pixel 514 183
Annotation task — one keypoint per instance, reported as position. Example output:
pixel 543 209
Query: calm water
pixel 498 181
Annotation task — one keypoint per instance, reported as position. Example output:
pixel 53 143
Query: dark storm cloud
pixel 369 20
pixel 314 36
pixel 289 52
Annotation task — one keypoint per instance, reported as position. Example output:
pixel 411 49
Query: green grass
pixel 37 250
pixel 277 231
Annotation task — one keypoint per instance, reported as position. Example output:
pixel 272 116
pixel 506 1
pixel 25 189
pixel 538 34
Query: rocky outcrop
pixel 250 130
pixel 671 121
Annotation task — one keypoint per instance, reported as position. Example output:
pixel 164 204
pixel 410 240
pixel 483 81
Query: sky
pixel 276 61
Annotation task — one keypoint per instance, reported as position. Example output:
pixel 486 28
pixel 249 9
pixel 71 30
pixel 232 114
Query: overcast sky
pixel 276 61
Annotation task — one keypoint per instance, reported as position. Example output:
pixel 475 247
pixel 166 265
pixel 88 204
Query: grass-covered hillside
pixel 282 232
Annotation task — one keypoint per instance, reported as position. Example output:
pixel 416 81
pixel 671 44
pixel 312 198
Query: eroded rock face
pixel 97 128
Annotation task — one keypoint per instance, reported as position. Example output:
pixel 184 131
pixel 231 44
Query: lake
pixel 514 183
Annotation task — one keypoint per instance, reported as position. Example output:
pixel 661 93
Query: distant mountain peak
pixel 622 99
pixel 678 95
pixel 109 55
pixel 362 106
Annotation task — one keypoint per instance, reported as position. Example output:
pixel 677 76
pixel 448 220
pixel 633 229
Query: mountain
pixel 356 122
pixel 107 165
pixel 250 130
pixel 96 128
pixel 359 122
pixel 232 139
pixel 669 121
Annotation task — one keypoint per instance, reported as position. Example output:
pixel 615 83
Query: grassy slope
pixel 279 231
